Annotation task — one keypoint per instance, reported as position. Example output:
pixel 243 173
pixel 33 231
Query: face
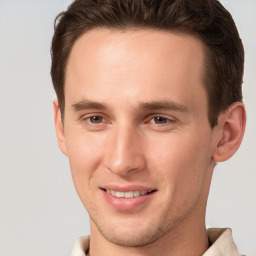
pixel 136 132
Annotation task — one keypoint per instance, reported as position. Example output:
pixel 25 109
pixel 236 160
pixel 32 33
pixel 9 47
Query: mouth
pixel 128 197
pixel 128 194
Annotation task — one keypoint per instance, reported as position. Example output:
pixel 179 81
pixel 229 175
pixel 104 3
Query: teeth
pixel 136 193
pixel 129 194
pixel 119 194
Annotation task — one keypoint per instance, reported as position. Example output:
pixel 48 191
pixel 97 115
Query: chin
pixel 131 234
pixel 133 238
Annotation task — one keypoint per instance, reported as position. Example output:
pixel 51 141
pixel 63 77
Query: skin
pixel 124 79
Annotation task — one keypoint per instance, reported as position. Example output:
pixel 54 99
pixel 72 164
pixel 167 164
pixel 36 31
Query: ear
pixel 59 127
pixel 230 130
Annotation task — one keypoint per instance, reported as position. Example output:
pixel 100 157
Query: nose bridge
pixel 125 153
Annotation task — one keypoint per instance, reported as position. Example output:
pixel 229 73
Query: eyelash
pixel 88 119
pixel 165 119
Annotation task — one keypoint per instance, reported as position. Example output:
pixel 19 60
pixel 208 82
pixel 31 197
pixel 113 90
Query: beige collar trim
pixel 222 243
pixel 221 239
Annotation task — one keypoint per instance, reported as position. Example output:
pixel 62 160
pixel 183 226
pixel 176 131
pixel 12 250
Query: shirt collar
pixel 221 240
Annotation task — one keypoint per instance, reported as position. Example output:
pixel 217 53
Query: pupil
pixel 96 119
pixel 160 120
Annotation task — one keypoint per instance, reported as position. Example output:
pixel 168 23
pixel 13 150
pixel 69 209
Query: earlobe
pixel 231 127
pixel 59 127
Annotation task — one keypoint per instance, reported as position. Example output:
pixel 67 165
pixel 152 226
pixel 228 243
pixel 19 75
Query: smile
pixel 128 198
pixel 128 194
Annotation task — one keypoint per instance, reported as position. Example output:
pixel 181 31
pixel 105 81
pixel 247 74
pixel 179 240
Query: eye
pixel 94 122
pixel 159 120
pixel 96 119
pixel 162 123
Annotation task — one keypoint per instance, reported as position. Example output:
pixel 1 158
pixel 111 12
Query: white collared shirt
pixel 221 240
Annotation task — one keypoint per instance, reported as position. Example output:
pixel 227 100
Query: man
pixel 148 101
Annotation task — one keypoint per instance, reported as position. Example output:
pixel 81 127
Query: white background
pixel 40 213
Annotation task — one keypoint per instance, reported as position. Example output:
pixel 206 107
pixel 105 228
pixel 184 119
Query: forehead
pixel 125 64
pixel 107 44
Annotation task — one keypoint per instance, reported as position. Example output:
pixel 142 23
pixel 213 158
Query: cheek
pixel 181 166
pixel 84 153
pixel 181 160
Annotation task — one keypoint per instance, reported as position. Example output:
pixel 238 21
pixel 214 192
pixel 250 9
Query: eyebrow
pixel 146 106
pixel 87 104
pixel 163 105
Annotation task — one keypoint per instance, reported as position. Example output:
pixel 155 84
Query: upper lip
pixel 127 188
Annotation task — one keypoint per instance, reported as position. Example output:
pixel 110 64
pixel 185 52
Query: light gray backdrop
pixel 40 213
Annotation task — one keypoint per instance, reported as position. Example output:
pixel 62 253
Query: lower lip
pixel 122 203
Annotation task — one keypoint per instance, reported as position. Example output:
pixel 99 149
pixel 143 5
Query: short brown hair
pixel 206 19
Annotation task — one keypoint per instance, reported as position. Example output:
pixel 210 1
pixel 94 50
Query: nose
pixel 125 155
